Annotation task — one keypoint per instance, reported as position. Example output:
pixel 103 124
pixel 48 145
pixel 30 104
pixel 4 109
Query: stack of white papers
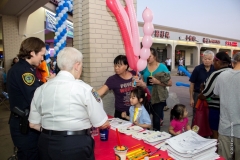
pixel 156 138
pixel 118 123
pixel 142 134
pixel 190 146
pixel 130 130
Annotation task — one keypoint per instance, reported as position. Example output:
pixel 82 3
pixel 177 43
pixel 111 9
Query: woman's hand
pixel 154 81
pixel 140 83
pixel 124 115
pixel 201 96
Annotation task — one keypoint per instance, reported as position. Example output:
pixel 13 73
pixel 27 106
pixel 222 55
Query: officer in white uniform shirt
pixel 64 109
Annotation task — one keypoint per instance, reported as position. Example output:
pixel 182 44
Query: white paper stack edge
pixel 118 123
pixel 142 134
pixel 130 130
pixel 190 146
pixel 156 138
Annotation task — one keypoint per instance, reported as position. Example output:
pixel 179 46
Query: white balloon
pixel 63 11
pixel 57 33
pixel 58 44
pixel 61 41
pixel 60 14
pixel 60 29
pixel 56 48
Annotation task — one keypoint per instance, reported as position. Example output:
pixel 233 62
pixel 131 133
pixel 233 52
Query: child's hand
pixel 136 122
pixel 124 115
pixel 179 132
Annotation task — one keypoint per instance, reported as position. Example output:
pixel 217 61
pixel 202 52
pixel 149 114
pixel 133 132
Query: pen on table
pixel 155 151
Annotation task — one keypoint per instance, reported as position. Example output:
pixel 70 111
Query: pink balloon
pixel 132 59
pixel 145 53
pixel 141 64
pixel 123 12
pixel 148 28
pixel 147 41
pixel 134 26
pixel 147 15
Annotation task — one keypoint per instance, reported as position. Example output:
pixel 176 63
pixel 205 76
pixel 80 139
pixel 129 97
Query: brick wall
pixel 97 36
pixel 11 39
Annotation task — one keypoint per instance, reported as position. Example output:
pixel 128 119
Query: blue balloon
pixel 47 46
pixel 182 84
pixel 60 7
pixel 181 68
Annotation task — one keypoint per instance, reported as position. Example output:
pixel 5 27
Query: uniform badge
pixel 96 96
pixel 28 78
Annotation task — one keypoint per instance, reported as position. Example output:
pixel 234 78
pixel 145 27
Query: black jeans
pixel 26 144
pixel 169 68
pixel 58 147
pixel 157 111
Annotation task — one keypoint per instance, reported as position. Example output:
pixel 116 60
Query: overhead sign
pixel 161 34
pixel 51 24
pixel 188 38
pixel 208 40
pixel 229 43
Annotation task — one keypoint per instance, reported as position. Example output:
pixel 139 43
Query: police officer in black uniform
pixel 21 85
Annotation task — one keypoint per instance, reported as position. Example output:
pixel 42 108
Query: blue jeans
pixel 157 112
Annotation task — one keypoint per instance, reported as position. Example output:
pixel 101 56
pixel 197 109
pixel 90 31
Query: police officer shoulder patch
pixel 28 78
pixel 96 96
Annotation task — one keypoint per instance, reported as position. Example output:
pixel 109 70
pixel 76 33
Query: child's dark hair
pixel 177 112
pixel 140 93
pixel 121 59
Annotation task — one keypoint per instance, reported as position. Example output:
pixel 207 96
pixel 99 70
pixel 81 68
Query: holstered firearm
pixel 24 124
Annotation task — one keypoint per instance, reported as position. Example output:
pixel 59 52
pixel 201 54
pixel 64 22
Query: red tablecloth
pixel 104 149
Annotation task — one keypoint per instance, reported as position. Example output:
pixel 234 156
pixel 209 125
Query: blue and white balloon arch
pixel 60 38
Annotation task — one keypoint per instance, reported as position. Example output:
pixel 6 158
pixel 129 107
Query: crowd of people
pixel 216 81
pixel 51 114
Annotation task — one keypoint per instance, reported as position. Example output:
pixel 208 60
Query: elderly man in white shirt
pixel 64 109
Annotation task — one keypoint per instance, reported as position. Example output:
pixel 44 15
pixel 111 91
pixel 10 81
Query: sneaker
pixel 165 108
pixel 161 123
